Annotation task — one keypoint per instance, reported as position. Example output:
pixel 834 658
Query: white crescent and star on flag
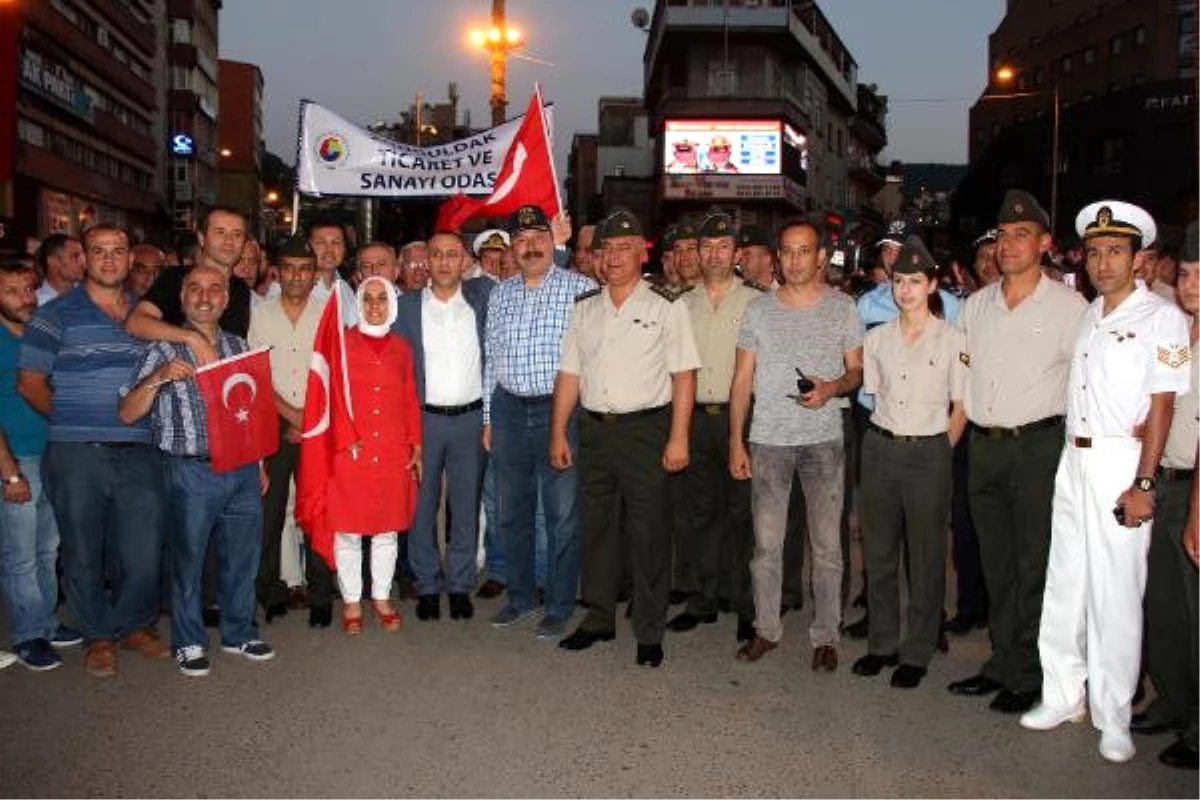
pixel 243 412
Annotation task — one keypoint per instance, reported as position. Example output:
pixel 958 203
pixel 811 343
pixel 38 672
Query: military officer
pixel 629 359
pixel 1130 362
pixel 686 249
pixel 756 256
pixel 1171 577
pixel 1020 337
pixel 718 505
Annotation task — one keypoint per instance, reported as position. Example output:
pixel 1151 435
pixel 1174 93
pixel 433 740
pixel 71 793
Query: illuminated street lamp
pixel 498 40
pixel 1006 75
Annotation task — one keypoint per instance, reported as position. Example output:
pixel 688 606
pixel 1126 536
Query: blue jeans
pixel 226 509
pixel 109 504
pixel 28 551
pixel 451 445
pixel 497 567
pixel 520 449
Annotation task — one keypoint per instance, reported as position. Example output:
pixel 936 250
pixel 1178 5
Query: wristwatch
pixel 1144 484
pixel 14 479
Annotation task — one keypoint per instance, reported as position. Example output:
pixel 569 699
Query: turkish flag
pixel 239 401
pixel 328 428
pixel 525 179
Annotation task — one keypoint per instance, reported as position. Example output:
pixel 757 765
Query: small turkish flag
pixel 525 179
pixel 243 425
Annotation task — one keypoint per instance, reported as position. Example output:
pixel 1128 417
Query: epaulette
pixel 587 294
pixel 755 285
pixel 668 294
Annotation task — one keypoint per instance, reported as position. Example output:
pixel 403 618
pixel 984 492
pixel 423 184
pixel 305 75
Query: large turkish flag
pixel 243 425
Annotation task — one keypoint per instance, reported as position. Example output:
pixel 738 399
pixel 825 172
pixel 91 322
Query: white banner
pixel 337 157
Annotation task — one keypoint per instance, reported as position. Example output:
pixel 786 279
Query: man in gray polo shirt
pixel 799 347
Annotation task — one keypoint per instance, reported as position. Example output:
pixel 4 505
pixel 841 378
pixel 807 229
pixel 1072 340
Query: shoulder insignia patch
pixel 965 359
pixel 755 285
pixel 587 294
pixel 665 293
pixel 1174 355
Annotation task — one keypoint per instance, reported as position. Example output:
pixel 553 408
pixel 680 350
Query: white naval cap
pixel 493 238
pixel 1115 218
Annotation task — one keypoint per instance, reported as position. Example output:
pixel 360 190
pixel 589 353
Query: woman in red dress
pixel 374 482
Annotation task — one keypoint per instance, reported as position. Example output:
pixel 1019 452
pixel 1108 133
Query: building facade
pixel 192 108
pixel 240 139
pixel 80 111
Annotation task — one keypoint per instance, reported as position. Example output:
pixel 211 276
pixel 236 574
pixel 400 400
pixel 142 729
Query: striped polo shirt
pixel 88 358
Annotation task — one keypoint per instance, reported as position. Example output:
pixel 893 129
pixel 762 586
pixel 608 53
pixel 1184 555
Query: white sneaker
pixel 1117 747
pixel 7 659
pixel 1045 718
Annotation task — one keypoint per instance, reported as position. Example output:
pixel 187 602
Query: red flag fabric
pixel 525 179
pixel 243 426
pixel 328 428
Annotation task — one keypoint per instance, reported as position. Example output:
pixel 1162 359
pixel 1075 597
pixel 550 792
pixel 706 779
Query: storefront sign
pixel 56 83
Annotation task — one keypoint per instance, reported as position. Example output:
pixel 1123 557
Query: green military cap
pixel 914 257
pixel 752 236
pixel 685 231
pixel 716 225
pixel 296 246
pixel 621 222
pixel 1019 206
pixel 668 236
pixel 1191 246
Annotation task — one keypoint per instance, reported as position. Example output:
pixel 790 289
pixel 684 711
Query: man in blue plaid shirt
pixel 202 504
pixel 527 318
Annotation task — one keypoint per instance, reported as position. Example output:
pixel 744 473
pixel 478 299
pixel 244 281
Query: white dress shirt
pixel 453 375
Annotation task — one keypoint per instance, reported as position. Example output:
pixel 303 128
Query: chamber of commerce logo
pixel 332 149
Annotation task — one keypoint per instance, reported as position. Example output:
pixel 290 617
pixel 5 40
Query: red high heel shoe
pixel 390 618
pixel 352 625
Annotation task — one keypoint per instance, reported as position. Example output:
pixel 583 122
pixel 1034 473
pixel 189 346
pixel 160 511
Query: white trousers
pixel 291 546
pixel 1092 610
pixel 347 553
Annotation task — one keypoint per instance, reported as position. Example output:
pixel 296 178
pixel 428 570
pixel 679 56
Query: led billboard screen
pixel 724 147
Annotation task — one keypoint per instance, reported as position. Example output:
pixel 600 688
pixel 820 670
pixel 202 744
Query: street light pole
pixel 1054 165
pixel 499 101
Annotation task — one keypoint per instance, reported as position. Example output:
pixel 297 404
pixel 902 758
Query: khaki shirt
pixel 1180 452
pixel 914 384
pixel 716 330
pixel 625 356
pixel 291 345
pixel 1019 358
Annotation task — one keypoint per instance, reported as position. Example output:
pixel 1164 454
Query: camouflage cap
pixel 1020 206
pixel 914 257
pixel 527 217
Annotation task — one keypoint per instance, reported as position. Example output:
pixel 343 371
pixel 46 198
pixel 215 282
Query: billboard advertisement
pixel 726 146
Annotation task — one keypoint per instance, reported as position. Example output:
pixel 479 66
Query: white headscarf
pixel 376 331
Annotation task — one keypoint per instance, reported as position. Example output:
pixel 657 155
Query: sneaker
pixel 192 660
pixel 66 637
pixel 551 627
pixel 7 659
pixel 38 655
pixel 1117 746
pixel 255 650
pixel 1045 717
pixel 511 615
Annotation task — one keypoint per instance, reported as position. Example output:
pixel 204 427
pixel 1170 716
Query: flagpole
pixel 537 89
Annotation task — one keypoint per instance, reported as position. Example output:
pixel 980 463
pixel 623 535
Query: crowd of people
pixel 586 431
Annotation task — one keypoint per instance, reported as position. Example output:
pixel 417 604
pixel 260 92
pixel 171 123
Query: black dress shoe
pixel 649 655
pixel 961 625
pixel 907 676
pixel 871 664
pixel 1179 755
pixel 677 596
pixel 275 610
pixel 1146 725
pixel 858 630
pixel 460 606
pixel 490 588
pixel 745 630
pixel 212 617
pixel 1014 702
pixel 724 606
pixel 582 640
pixel 975 686
pixel 429 606
pixel 685 621
pixel 320 616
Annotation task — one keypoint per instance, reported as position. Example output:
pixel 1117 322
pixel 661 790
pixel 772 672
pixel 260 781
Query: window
pixel 1067 65
pixel 722 77
pixel 1039 76
pixel 31 133
pixel 1089 56
pixel 1139 36
pixel 181 31
pixel 1114 46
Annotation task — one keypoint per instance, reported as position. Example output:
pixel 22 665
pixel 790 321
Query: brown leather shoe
pixel 755 649
pixel 146 642
pixel 100 659
pixel 490 588
pixel 825 659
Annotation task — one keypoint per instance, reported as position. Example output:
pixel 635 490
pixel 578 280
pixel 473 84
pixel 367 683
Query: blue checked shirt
pixel 178 421
pixel 524 333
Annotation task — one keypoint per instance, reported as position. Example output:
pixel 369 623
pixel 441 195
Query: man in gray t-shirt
pixel 804 331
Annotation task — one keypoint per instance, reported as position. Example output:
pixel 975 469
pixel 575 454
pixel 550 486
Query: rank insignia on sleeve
pixel 665 293
pixel 587 294
pixel 965 359
pixel 1174 355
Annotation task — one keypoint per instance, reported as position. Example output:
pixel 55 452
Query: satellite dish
pixel 640 18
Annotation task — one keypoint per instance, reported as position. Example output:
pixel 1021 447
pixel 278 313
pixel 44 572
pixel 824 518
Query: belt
pixel 712 409
pixel 600 416
pixel 115 445
pixel 453 411
pixel 1087 442
pixel 200 459
pixel 1172 474
pixel 1020 430
pixel 527 399
pixel 903 438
